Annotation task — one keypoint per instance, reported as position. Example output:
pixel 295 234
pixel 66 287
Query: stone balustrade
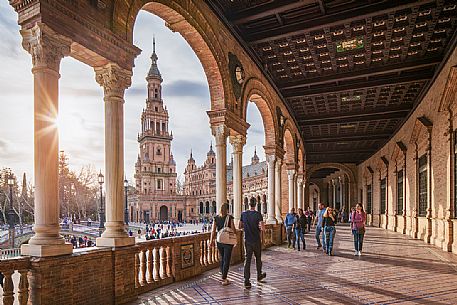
pixel 107 272
pixel 15 267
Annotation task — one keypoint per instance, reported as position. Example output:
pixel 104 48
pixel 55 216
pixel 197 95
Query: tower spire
pixel 154 70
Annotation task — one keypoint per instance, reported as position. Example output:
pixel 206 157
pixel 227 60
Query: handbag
pixel 226 234
pixel 361 230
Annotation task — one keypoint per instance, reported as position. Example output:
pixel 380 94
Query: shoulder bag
pixel 226 234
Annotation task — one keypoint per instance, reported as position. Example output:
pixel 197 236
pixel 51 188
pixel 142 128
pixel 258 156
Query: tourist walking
pixel 319 229
pixel 329 221
pixel 225 250
pixel 309 218
pixel 252 223
pixel 358 219
pixel 289 222
pixel 300 228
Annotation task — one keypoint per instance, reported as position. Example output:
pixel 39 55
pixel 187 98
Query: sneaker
pixel 359 253
pixel 261 277
pixel 356 253
pixel 298 249
pixel 288 246
pixel 225 282
pixel 247 285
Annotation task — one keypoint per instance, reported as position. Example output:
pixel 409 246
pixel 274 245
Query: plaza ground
pixel 394 269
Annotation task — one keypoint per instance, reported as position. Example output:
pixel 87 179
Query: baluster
pixel 150 276
pixel 163 263
pixel 169 262
pixel 137 269
pixel 202 254
pixel 143 267
pixel 205 252
pixel 210 252
pixel 8 288
pixel 23 289
pixel 216 253
pixel 156 264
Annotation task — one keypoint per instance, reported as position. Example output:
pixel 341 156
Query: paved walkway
pixel 394 269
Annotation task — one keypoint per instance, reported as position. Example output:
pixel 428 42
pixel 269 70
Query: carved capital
pixel 271 159
pixel 220 132
pixel 46 47
pixel 291 173
pixel 114 79
pixel 237 142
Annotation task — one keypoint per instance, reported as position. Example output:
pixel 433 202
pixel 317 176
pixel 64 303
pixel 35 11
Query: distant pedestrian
pixel 252 223
pixel 300 229
pixel 329 221
pixel 319 229
pixel 309 218
pixel 289 222
pixel 358 228
pixel 225 250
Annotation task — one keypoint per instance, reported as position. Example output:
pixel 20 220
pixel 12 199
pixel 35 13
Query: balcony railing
pixel 155 263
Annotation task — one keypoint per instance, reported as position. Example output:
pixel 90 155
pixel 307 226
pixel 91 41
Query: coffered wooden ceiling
pixel 349 71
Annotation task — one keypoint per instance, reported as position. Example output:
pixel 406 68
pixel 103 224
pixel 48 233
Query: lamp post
pixel 101 212
pixel 126 212
pixel 11 228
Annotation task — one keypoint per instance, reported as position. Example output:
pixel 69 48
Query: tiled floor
pixel 394 269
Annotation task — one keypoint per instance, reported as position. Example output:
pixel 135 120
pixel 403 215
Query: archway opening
pixel 163 213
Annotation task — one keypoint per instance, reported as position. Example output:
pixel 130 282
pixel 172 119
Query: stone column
pixel 271 161
pixel 278 190
pixel 300 192
pixel 47 50
pixel 334 193
pixel 220 133
pixel 114 81
pixel 237 144
pixel 291 176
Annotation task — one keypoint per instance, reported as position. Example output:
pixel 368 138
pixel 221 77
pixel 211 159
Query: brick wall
pixel 438 228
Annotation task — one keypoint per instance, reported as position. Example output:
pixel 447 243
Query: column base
pixel 279 220
pixel 46 250
pixel 272 221
pixel 114 242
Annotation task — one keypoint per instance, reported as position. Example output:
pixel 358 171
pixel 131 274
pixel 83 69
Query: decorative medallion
pixel 237 74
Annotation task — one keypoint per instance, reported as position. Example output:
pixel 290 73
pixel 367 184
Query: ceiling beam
pixel 348 151
pixel 347 138
pixel 376 114
pixel 374 83
pixel 369 72
pixel 269 9
pixel 331 19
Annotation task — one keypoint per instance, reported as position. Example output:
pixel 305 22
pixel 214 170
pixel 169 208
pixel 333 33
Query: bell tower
pixel 155 169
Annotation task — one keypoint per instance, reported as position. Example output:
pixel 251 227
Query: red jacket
pixel 358 220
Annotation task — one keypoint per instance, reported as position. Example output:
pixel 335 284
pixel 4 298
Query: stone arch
pixel 342 167
pixel 194 28
pixel 255 91
pixel 288 144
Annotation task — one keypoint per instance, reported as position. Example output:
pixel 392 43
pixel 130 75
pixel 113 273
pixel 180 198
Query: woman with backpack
pixel 358 228
pixel 225 250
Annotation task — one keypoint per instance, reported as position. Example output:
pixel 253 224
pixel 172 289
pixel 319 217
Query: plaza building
pixel 156 197
pixel 358 101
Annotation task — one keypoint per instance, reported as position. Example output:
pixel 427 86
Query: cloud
pixel 81 92
pixel 186 88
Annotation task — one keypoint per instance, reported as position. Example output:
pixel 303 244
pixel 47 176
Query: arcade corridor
pixel 394 269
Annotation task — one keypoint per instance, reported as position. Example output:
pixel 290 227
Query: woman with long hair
pixel 328 223
pixel 358 228
pixel 300 229
pixel 225 250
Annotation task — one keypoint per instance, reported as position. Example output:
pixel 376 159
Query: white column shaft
pixel 220 134
pixel 291 176
pixel 237 144
pixel 300 193
pixel 271 161
pixel 278 191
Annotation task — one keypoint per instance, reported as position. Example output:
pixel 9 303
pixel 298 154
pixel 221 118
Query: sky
pixel 81 116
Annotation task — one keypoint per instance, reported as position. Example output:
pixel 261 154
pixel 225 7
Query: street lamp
pixel 126 212
pixel 11 212
pixel 101 213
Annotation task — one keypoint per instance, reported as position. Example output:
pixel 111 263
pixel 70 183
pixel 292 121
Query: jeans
pixel 299 235
pixel 358 240
pixel 290 236
pixel 329 233
pixel 320 234
pixel 225 251
pixel 256 249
